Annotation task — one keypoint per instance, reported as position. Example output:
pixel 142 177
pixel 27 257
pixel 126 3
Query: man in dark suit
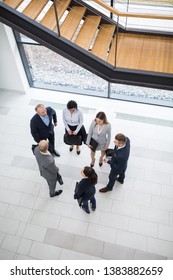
pixel 118 162
pixel 47 167
pixel 42 126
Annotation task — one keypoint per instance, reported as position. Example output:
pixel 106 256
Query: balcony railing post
pixel 112 4
pixel 56 16
pixel 127 12
pixel 109 90
pixel 116 43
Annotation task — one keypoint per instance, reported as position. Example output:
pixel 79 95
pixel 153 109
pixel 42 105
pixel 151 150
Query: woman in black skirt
pixel 73 122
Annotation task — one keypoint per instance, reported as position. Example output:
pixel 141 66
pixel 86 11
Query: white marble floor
pixel 134 221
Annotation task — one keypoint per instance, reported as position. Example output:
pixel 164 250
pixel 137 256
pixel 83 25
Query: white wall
pixel 12 74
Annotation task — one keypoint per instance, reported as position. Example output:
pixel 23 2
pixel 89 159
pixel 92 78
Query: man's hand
pixel 105 160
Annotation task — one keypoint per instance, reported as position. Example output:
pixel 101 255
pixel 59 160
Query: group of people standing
pixel 98 139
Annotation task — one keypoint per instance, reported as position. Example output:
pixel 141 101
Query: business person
pixel 42 126
pixel 118 163
pixel 86 189
pixel 47 167
pixel 73 122
pixel 100 131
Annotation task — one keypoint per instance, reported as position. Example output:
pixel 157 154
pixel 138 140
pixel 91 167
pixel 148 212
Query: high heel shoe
pixel 71 148
pixel 78 150
pixel 100 161
pixel 92 164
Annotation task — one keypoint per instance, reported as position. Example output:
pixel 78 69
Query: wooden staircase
pixel 85 29
pixel 90 38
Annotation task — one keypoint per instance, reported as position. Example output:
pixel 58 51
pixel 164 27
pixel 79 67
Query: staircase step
pixel 34 8
pixel 129 51
pixel 103 40
pixel 71 23
pixel 49 20
pixel 87 31
pixel 13 4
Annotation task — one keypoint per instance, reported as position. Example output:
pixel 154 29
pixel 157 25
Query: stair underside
pixel 134 51
pixel 99 38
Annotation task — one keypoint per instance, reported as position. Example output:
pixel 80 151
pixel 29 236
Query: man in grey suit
pixel 47 167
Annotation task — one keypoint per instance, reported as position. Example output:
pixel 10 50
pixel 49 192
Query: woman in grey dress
pixel 100 131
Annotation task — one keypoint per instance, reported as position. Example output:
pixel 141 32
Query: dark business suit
pixel 40 131
pixel 118 164
pixel 87 190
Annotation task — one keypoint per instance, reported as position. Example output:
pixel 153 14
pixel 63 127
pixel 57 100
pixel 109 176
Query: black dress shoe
pixel 104 190
pixel 55 153
pixel 78 152
pixel 59 179
pixel 93 208
pixel 86 210
pixel 100 164
pixel 33 147
pixel 121 182
pixel 56 193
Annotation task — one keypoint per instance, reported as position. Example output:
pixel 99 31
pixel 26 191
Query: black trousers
pixel 51 140
pixel 113 176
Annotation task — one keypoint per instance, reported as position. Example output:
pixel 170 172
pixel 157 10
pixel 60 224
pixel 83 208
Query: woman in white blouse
pixel 100 131
pixel 73 122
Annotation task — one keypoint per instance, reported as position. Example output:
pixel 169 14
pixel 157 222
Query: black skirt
pixel 81 132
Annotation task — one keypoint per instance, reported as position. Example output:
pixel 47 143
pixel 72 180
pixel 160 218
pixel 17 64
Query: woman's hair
pixel 72 104
pixel 90 173
pixel 102 116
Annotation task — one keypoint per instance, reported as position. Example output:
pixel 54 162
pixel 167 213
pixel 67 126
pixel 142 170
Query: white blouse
pixel 72 119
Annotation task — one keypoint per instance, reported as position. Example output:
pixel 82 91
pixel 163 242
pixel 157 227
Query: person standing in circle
pixel 42 126
pixel 73 122
pixel 86 189
pixel 100 131
pixel 118 163
pixel 47 167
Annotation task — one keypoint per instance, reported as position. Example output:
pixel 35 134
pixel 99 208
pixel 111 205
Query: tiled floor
pixel 134 221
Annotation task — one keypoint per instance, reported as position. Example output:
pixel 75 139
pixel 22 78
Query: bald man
pixel 42 126
pixel 47 167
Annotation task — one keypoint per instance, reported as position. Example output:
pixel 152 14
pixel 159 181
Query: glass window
pixel 141 94
pixel 53 71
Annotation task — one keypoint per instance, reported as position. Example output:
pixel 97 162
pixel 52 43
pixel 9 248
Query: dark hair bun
pixel 72 104
pixel 90 174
